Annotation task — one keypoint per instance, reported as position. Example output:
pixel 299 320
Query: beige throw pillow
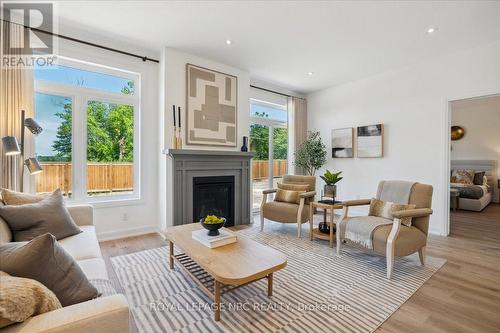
pixel 302 188
pixel 10 197
pixel 21 298
pixel 288 196
pixel 385 209
pixel 293 187
pixel 463 176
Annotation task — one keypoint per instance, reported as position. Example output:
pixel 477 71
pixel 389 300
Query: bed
pixel 475 197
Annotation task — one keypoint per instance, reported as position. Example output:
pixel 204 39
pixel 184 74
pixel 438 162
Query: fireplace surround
pixel 189 165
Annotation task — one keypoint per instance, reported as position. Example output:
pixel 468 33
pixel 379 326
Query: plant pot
pixel 213 228
pixel 330 190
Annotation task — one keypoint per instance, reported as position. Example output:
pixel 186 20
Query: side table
pixel 314 232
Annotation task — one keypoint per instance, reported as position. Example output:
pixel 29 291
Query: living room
pixel 313 139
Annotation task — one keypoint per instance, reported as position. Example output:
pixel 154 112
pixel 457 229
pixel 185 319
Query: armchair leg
pixel 261 220
pixel 299 228
pixel 390 265
pixel 338 242
pixel 421 255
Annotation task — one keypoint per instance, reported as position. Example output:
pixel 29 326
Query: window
pixel 90 116
pixel 269 143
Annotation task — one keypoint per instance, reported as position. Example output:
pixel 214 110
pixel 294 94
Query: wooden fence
pixel 101 177
pixel 260 169
pixel 117 177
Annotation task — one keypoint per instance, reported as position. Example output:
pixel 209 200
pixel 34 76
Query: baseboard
pixel 123 233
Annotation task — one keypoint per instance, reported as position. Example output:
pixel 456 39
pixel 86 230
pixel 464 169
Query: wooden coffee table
pixel 225 268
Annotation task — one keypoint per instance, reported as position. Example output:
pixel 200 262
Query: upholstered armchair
pixel 286 212
pixel 395 238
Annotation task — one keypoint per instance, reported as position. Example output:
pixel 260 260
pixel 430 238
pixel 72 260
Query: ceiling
pixel 280 42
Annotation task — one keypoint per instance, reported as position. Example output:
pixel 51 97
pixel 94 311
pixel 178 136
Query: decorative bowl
pixel 213 228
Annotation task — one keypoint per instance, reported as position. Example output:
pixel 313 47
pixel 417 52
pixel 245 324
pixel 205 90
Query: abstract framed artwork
pixel 342 142
pixel 211 107
pixel 371 141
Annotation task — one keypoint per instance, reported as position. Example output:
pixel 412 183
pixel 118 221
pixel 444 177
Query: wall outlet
pixel 125 217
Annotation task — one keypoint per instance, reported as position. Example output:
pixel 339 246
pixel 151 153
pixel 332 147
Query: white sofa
pixel 104 314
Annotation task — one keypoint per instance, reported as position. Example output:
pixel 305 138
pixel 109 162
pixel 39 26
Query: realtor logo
pixel 27 33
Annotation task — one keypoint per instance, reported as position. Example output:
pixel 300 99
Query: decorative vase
pixel 244 148
pixel 330 191
pixel 324 228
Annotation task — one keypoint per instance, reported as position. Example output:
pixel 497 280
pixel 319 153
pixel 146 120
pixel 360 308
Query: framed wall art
pixel 211 107
pixel 342 142
pixel 371 141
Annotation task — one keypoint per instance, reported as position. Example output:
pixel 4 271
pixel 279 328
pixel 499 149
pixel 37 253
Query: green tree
pixel 311 155
pixel 62 145
pixel 110 131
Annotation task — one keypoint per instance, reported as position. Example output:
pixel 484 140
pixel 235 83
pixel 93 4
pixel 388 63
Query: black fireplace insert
pixel 214 196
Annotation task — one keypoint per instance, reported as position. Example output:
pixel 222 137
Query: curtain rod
pixel 274 92
pixel 143 58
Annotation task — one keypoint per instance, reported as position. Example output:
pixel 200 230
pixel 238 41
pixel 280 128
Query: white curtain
pixel 16 91
pixel 297 108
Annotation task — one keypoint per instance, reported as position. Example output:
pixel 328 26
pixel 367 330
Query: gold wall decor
pixel 211 107
pixel 457 133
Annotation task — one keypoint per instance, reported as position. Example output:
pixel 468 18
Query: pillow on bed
pixel 464 176
pixel 479 178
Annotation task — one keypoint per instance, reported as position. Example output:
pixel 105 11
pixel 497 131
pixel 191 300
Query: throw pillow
pixel 288 196
pixel 464 176
pixel 385 209
pixel 485 181
pixel 293 187
pixel 45 261
pixel 478 178
pixel 21 298
pixel 20 198
pixel 31 220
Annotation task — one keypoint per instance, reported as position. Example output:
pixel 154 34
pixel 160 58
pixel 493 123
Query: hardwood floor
pixel 463 296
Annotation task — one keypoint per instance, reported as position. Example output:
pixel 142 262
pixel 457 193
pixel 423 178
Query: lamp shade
pixel 33 165
pixel 33 126
pixel 10 145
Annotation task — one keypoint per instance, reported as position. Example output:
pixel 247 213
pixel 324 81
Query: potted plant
pixel 311 154
pixel 331 178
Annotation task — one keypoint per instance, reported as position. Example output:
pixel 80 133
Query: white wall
pixel 412 103
pixel 173 86
pixel 480 117
pixel 128 218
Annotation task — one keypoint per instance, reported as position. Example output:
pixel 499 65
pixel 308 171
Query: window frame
pixel 271 124
pixel 80 97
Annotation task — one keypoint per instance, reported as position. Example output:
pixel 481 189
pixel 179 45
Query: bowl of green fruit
pixel 212 223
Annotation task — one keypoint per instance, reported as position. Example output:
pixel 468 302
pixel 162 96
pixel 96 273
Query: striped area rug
pixel 318 291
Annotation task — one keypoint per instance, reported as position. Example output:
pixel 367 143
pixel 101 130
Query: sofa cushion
pixel 44 260
pixel 21 298
pixel 83 245
pixel 284 212
pixel 47 216
pixel 94 268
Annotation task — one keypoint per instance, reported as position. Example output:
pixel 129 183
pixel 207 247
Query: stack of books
pixel 225 237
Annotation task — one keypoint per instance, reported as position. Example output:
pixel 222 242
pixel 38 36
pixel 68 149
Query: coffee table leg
pixel 217 300
pixel 171 255
pixel 270 285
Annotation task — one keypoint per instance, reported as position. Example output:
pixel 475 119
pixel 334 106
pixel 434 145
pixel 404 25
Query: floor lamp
pixel 11 147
